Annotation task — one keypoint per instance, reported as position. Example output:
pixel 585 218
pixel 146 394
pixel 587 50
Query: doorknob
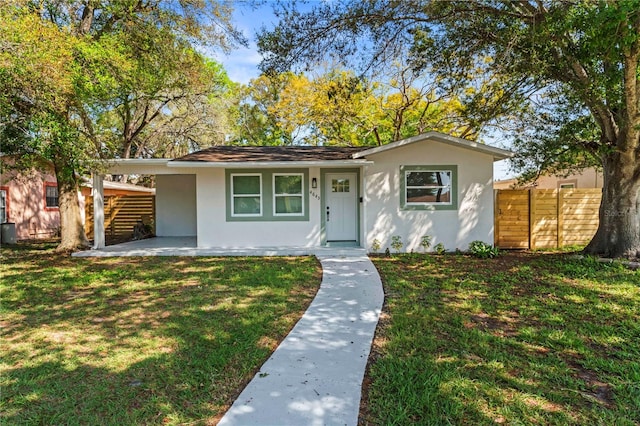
pixel 327 213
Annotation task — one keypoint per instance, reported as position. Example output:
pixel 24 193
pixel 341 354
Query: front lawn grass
pixel 521 339
pixel 162 340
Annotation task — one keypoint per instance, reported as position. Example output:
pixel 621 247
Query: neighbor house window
pixel 51 195
pixel 288 197
pixel 3 206
pixel 246 194
pixel 428 187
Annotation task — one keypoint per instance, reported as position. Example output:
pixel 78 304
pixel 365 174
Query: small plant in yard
pixel 425 242
pixel 375 245
pixel 396 243
pixel 439 248
pixel 483 250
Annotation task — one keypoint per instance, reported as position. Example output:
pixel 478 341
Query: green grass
pixel 139 340
pixel 521 339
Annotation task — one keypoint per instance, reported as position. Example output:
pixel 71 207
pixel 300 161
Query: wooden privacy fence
pixel 121 213
pixel 545 218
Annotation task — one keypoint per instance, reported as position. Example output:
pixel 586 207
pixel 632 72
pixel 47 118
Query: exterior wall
pixel 589 178
pixel 472 220
pixel 27 206
pixel 176 205
pixel 215 231
pixel 506 184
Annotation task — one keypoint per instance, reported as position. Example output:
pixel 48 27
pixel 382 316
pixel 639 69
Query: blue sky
pixel 242 63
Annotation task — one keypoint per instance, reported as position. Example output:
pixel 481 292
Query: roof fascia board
pixel 138 161
pixel 497 153
pixel 266 164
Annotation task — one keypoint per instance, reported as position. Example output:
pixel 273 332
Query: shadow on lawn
pixel 139 340
pixel 523 338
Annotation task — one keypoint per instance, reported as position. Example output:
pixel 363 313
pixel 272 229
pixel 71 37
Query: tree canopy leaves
pixel 87 80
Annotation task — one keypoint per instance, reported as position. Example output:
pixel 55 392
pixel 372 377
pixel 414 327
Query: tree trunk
pixel 72 232
pixel 618 233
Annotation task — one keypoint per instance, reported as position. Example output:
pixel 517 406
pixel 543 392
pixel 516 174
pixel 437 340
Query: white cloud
pixel 241 64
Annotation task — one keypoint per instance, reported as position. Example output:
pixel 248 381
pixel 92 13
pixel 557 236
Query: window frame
pixel 453 202
pixel 276 195
pixel 267 194
pixel 564 184
pixel 234 196
pixel 47 207
pixel 7 219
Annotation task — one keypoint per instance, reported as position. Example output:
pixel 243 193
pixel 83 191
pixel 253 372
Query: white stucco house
pixel 250 197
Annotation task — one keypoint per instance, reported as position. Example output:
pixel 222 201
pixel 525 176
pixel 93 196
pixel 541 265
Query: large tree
pixel 85 80
pixel 570 69
pixel 38 95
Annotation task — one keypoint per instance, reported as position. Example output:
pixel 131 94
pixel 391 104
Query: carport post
pixel 98 211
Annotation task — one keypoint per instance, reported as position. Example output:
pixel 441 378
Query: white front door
pixel 341 210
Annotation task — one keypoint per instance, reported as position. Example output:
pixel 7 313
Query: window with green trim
pixel 288 197
pixel 246 194
pixel 263 195
pixel 428 187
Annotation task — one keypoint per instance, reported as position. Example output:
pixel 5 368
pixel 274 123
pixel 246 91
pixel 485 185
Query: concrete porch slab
pixel 187 246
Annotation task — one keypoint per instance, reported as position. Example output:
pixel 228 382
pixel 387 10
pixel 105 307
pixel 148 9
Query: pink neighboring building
pixel 30 200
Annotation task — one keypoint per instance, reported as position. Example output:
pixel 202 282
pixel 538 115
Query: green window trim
pixel 450 204
pixel 268 196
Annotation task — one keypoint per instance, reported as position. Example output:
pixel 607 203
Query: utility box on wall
pixel 8 233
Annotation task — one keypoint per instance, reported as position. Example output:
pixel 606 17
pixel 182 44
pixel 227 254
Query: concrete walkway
pixel 315 376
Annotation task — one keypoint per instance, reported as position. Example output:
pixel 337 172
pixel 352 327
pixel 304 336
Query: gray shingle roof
pixel 232 154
